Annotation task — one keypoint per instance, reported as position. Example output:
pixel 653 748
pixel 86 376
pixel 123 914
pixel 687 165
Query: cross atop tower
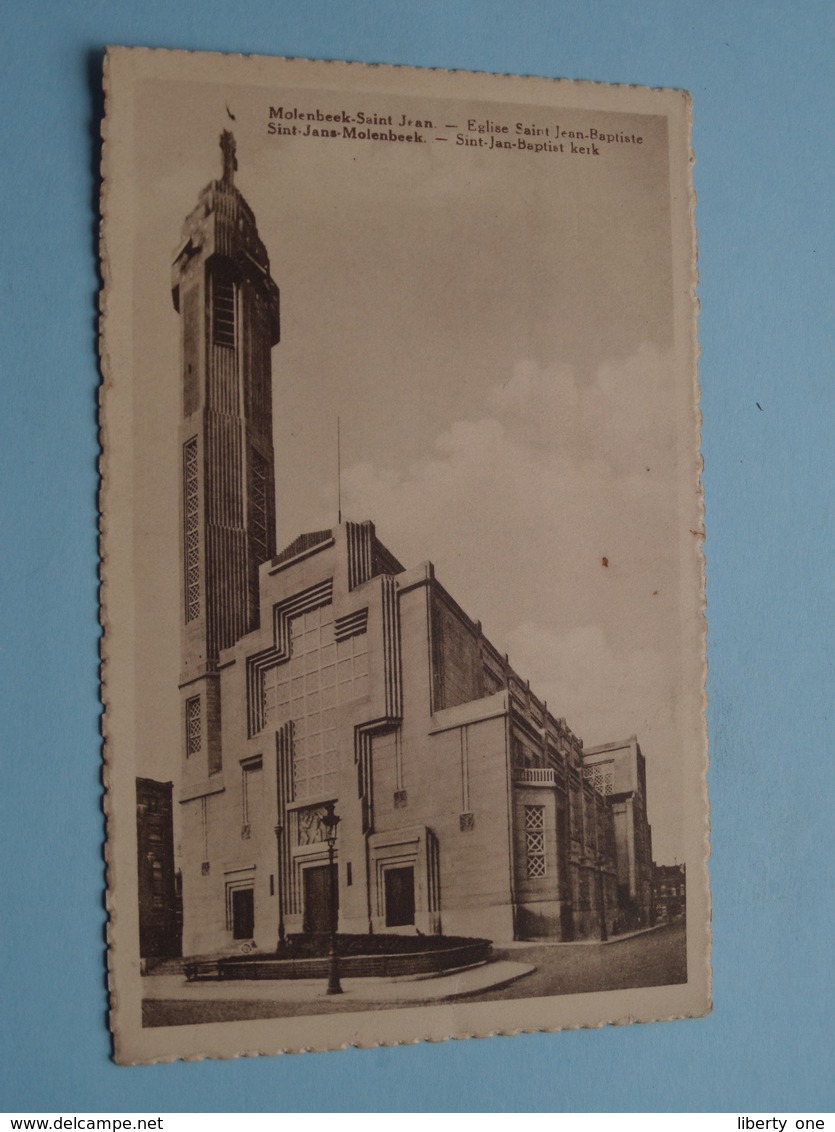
pixel 230 162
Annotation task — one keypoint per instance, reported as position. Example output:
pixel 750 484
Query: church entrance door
pixel 400 897
pixel 243 913
pixel 317 899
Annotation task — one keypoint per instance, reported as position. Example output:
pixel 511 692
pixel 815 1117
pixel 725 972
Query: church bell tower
pixel 229 322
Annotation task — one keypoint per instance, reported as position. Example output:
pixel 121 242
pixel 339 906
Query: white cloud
pixel 619 414
pixel 518 508
pixel 603 692
pixel 518 522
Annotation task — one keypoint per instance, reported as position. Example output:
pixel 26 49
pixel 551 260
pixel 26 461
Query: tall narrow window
pixel 258 513
pixel 191 351
pixel 250 793
pixel 535 841
pixel 193 735
pixel 223 312
pixel 204 834
pixel 258 541
pixel 191 531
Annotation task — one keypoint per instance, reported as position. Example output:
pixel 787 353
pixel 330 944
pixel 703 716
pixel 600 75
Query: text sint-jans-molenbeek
pixel 482 133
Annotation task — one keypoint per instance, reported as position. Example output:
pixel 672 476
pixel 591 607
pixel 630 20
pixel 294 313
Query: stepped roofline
pixel 311 542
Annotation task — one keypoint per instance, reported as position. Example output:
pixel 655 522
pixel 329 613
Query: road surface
pixel 655 958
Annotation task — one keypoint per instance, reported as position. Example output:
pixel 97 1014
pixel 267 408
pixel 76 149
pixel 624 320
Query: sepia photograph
pixel 403 660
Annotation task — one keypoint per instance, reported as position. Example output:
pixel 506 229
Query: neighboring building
pixel 160 912
pixel 669 888
pixel 331 673
pixel 619 771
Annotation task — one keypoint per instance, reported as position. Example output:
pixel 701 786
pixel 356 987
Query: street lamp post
pixel 279 830
pixel 330 821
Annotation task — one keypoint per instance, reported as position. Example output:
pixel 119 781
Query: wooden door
pixel 243 913
pixel 317 899
pixel 400 897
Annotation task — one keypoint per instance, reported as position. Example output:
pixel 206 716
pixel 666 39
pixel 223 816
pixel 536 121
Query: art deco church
pixel 329 672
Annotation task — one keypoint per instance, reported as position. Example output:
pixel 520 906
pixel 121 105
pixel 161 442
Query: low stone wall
pixel 427 962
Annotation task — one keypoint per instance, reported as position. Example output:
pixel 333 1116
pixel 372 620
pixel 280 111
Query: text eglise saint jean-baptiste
pixel 485 133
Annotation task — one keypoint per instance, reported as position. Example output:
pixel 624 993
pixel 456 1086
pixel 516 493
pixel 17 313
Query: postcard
pixel 403 603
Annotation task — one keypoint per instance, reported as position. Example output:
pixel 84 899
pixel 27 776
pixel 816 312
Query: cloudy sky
pixel 495 330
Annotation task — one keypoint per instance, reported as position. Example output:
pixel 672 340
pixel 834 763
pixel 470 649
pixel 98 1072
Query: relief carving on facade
pixel 311 831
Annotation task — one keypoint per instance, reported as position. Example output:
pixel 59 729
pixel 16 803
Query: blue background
pixel 761 76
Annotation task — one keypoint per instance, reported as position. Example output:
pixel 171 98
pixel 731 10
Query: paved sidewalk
pixel 528 943
pixel 475 980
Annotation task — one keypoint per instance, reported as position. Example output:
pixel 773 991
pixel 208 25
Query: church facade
pixel 330 673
